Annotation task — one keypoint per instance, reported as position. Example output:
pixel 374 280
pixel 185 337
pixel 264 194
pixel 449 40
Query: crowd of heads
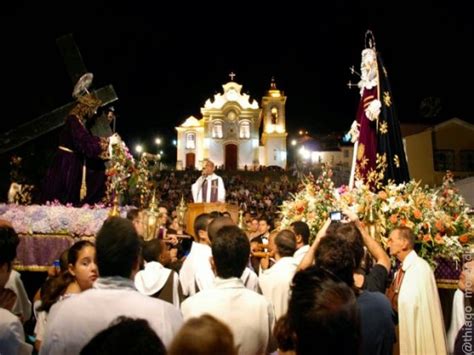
pixel 322 311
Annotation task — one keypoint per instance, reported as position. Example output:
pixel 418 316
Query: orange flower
pixel 403 222
pixel 439 225
pixel 439 239
pixel 427 238
pixel 393 218
pixel 417 214
pixel 383 195
pixel 300 205
pixel 463 239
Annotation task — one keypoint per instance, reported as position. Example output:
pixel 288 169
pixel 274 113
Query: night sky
pixel 165 62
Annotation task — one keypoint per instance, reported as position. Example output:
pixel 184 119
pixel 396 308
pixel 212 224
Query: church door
pixel 190 160
pixel 231 157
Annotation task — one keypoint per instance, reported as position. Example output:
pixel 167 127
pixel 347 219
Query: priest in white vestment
pixel 421 325
pixel 209 187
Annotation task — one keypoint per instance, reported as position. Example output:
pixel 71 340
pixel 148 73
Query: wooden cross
pixel 232 75
pixel 54 119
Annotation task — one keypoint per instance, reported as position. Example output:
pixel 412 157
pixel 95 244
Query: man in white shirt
pixel 205 276
pixel 12 337
pixel 302 233
pixel 73 322
pixel 209 187
pixel 275 281
pixel 421 324
pixel 248 314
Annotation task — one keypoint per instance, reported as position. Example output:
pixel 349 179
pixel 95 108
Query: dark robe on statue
pixel 389 137
pixel 367 147
pixel 64 177
pixel 379 146
pixel 96 167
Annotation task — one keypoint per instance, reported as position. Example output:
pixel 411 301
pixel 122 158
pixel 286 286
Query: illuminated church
pixel 229 131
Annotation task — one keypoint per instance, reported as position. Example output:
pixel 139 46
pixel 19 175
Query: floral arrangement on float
pixel 127 178
pixel 55 218
pixel 121 167
pixel 439 216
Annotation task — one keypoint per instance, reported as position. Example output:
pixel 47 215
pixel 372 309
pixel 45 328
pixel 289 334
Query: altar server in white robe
pixel 205 276
pixel 421 325
pixel 275 281
pixel 248 314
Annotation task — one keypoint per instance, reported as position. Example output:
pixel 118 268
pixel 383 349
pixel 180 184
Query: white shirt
pixel 12 336
pixel 300 253
pixel 457 319
pixel 421 322
pixel 197 190
pixel 205 279
pixel 198 257
pixel 73 322
pixel 22 306
pixel 248 314
pixel 41 318
pixel 275 284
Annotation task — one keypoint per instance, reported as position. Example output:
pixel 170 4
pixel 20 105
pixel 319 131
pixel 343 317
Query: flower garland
pixel 55 218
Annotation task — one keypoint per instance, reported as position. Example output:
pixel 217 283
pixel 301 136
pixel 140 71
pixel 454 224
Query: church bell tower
pixel 274 127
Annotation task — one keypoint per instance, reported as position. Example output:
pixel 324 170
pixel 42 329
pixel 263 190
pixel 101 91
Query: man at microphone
pixel 208 187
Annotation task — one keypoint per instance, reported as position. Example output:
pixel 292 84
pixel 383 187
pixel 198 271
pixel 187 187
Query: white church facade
pixel 229 131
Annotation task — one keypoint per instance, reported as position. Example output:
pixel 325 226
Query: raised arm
pixel 308 259
pixel 373 246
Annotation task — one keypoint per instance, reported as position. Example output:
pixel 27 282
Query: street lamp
pixel 139 148
pixel 175 142
pixel 293 142
pixel 158 141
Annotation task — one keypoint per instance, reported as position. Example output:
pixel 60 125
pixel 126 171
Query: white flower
pixel 358 184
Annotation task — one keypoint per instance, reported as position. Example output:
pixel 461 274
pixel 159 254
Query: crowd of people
pixel 231 291
pixel 257 196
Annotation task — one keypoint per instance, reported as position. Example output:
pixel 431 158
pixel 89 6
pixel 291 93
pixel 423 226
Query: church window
pixel 191 140
pixel 274 113
pixel 244 129
pixel 217 129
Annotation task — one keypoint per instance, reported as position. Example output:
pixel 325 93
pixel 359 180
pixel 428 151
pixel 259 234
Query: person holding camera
pixel 347 223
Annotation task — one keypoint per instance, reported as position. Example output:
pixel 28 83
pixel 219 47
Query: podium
pixel 195 209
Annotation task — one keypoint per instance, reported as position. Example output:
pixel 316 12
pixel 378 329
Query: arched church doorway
pixel 190 160
pixel 231 157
